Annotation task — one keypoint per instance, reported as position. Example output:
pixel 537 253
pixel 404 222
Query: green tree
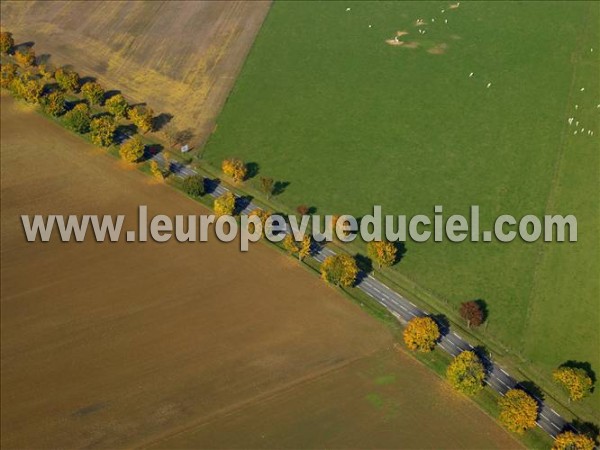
pixel 67 80
pixel 93 92
pixel 518 411
pixel 7 42
pixel 54 103
pixel 102 130
pixel 466 373
pixel 132 149
pixel 340 270
pixel 194 185
pixel 117 106
pixel 78 119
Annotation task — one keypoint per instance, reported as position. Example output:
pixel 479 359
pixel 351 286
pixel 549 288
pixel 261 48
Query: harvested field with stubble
pixel 179 57
pixel 129 344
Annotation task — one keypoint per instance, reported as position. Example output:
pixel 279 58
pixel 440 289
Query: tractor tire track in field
pixel 404 310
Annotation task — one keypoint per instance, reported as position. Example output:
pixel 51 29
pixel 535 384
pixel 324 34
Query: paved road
pixel 404 310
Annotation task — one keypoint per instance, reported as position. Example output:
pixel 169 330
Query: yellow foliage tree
pixel 235 168
pixel 46 71
pixel 132 149
pixel 54 103
pixel 421 334
pixel 7 42
pixel 117 106
pixel 28 88
pixel 67 79
pixel 141 118
pixel 518 411
pixel 155 170
pixel 263 215
pixel 466 373
pixel 9 71
pixel 383 253
pixel 93 92
pixel 225 204
pixel 340 270
pixel 25 58
pixel 575 381
pixel 102 130
pixel 573 441
pixel 305 247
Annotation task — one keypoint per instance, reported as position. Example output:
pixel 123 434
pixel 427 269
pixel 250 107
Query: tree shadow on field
pixel 442 323
pixel 23 46
pixel 400 251
pixel 70 104
pixel 252 169
pixel 86 79
pixel 279 187
pixel 586 366
pixel 483 307
pixel 111 93
pixel 44 58
pixel 587 428
pixel 159 121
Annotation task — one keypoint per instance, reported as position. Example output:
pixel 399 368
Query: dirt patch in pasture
pixel 438 49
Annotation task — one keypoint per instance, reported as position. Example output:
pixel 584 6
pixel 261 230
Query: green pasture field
pixel 326 105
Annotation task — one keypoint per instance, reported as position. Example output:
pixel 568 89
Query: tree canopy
pixel 340 270
pixel 421 334
pixel 466 373
pixel 518 411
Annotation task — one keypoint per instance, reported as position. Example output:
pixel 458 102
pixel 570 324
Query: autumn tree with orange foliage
pixel 518 411
pixel 383 253
pixel 573 441
pixel 235 168
pixel 421 334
